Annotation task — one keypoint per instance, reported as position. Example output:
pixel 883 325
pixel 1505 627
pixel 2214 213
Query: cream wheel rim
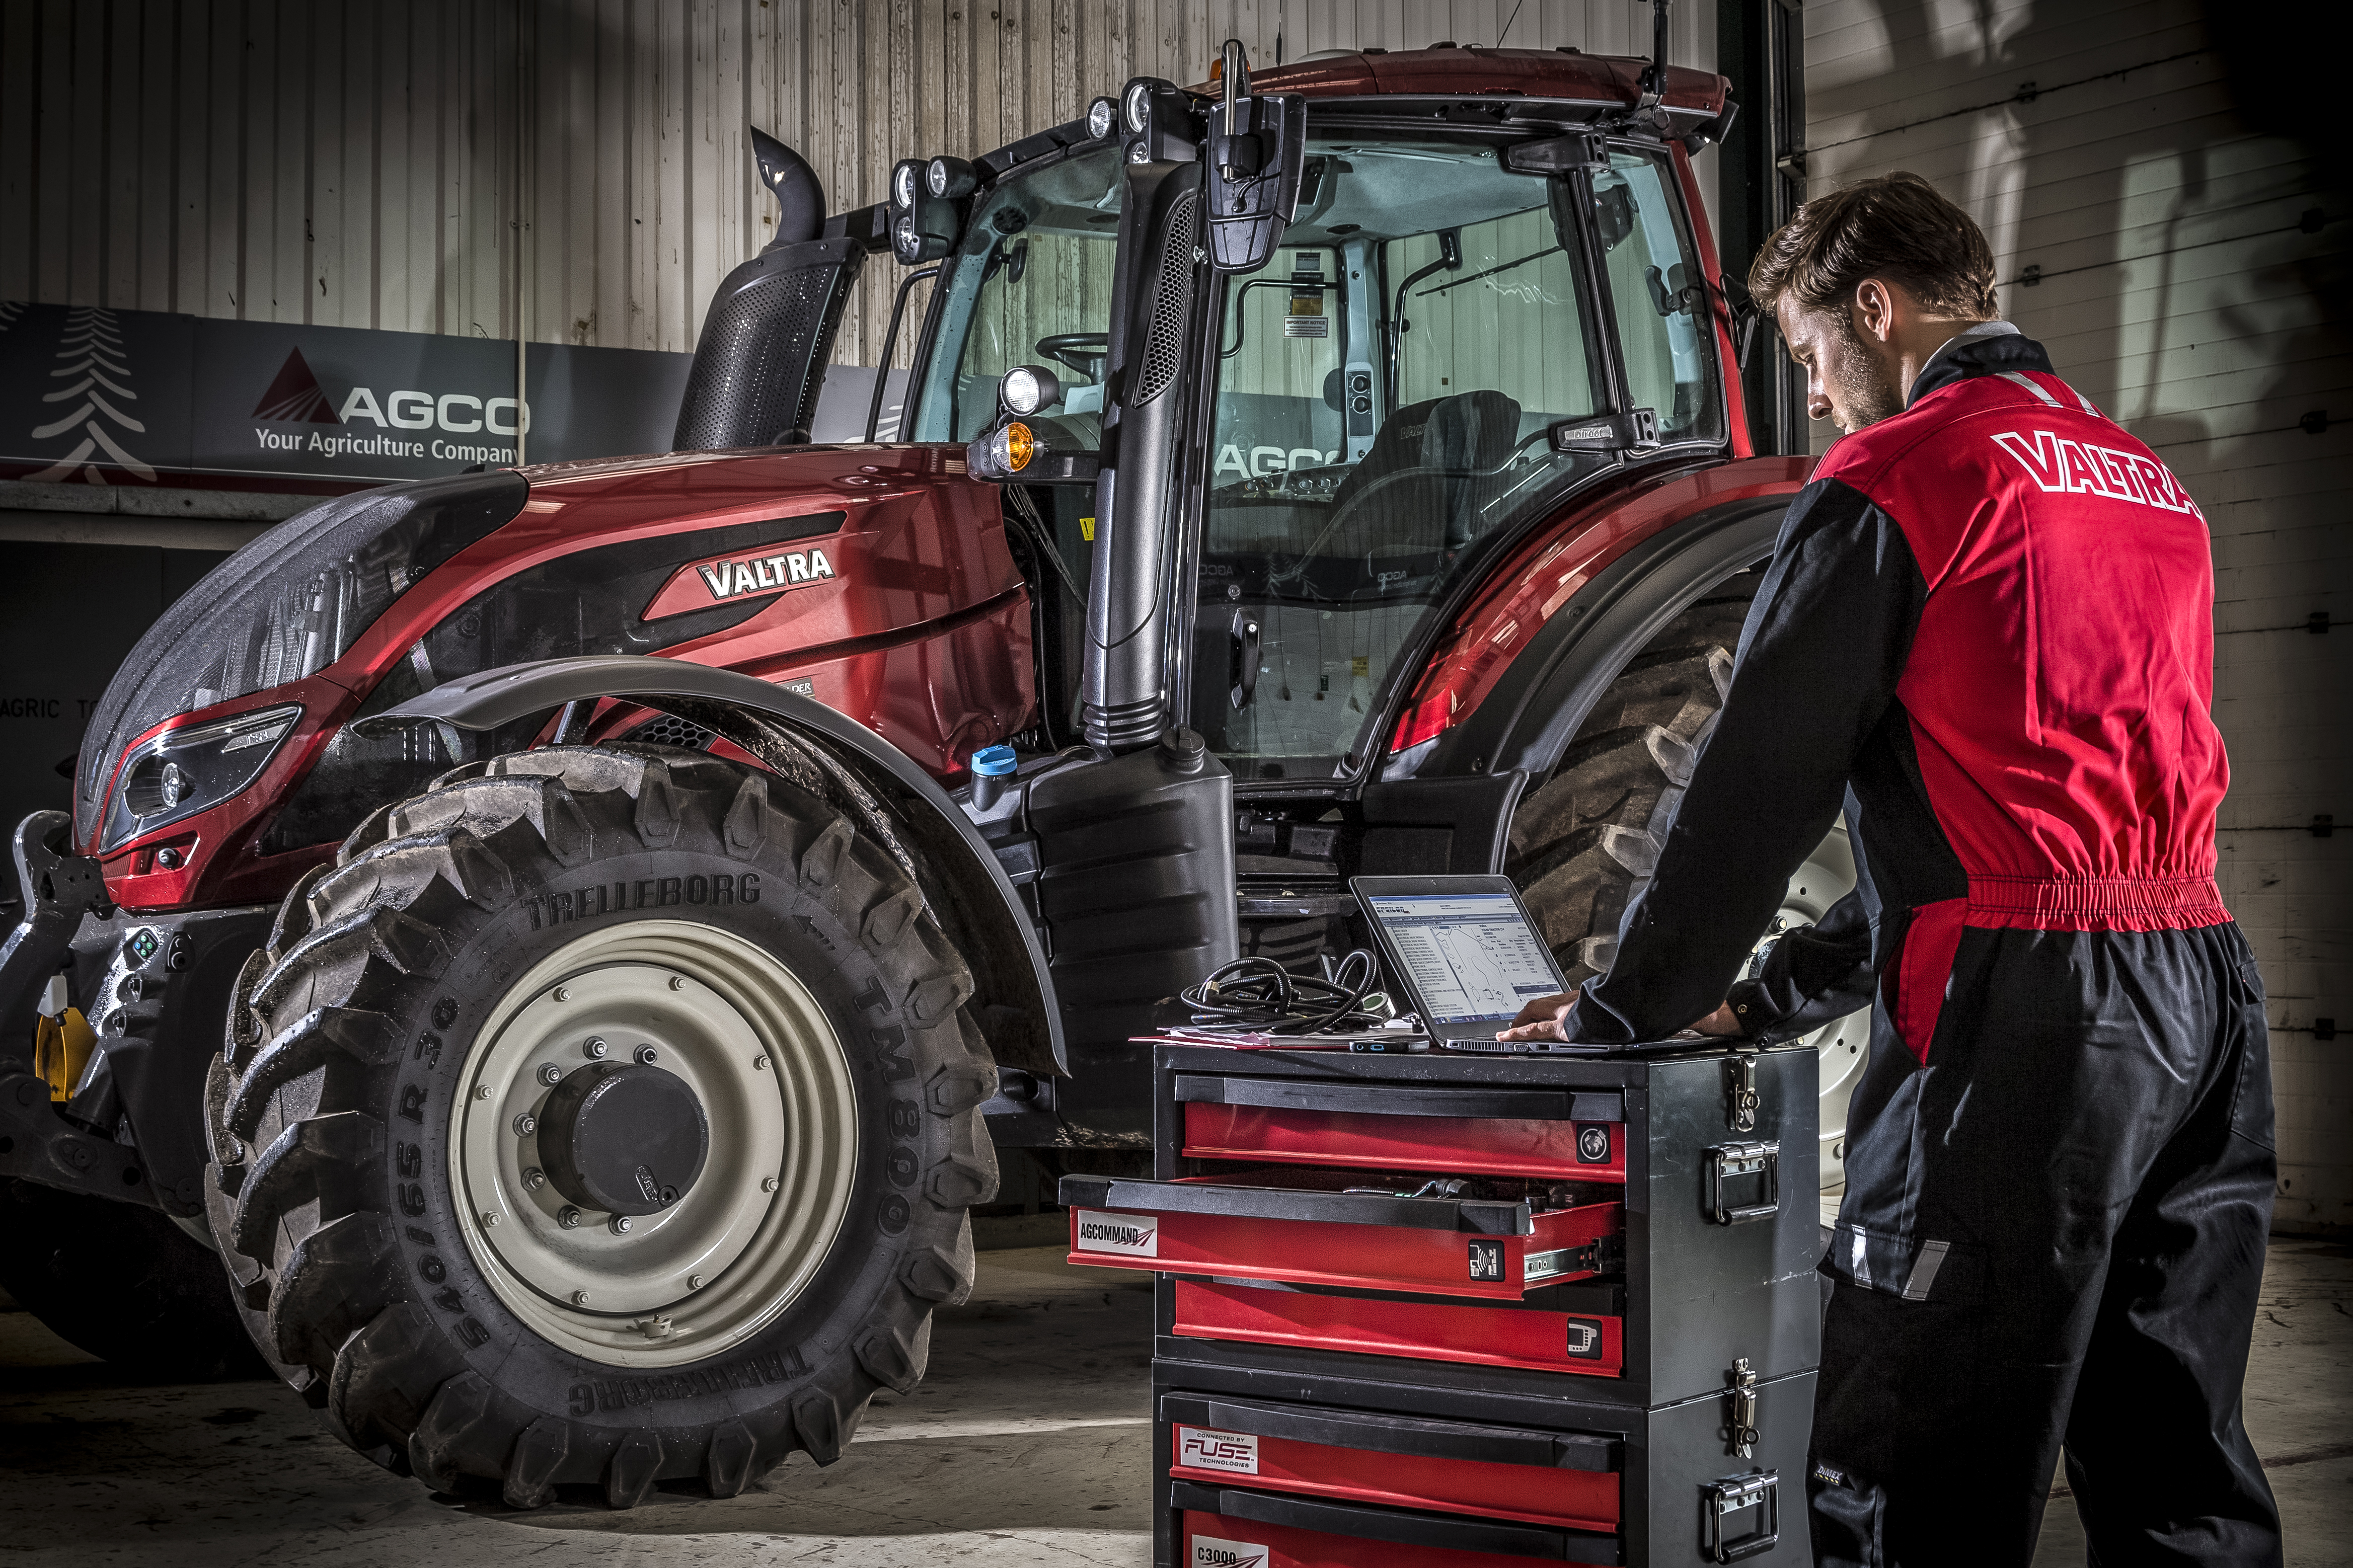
pixel 739 1244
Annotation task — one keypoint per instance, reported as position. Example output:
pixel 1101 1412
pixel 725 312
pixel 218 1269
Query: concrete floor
pixel 1028 1444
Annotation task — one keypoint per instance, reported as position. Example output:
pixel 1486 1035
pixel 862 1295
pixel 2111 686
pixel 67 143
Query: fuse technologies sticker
pixel 1208 1552
pixel 1204 1449
pixel 1129 1234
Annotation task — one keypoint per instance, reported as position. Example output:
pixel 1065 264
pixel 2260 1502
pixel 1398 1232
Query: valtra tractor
pixel 563 946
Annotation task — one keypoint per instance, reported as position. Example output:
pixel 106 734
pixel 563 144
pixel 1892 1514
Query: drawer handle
pixel 1726 1160
pixel 1734 1494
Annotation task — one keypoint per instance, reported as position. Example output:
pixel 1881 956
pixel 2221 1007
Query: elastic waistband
pixel 2093 903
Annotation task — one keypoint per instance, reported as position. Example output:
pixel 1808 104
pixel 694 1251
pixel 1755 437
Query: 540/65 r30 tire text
pixel 602 1116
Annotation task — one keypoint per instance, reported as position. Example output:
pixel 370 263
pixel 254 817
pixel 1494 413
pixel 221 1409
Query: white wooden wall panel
pixel 2178 290
pixel 356 163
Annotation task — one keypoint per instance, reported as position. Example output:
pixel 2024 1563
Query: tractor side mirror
pixel 1257 148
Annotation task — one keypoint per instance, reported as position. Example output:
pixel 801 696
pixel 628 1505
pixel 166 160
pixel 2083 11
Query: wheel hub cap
pixel 626 1140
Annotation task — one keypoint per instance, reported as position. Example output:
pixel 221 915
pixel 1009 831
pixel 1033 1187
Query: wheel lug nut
pixel 525 1124
pixel 620 1225
pixel 595 1047
pixel 550 1074
pixel 580 1297
pixel 767 1184
pixel 534 1178
pixel 646 1054
pixel 570 1219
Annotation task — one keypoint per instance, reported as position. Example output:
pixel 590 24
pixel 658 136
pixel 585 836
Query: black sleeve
pixel 1819 660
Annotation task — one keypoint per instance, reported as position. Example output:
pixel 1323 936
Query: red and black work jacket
pixel 1987 631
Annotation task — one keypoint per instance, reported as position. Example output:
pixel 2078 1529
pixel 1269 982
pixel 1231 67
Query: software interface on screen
pixel 1473 957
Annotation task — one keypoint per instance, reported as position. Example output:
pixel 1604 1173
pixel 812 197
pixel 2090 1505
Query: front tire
pixel 477 1280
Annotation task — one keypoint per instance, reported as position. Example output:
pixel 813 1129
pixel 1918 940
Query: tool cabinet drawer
pixel 1565 1478
pixel 1583 1338
pixel 1303 1226
pixel 1230 1527
pixel 1541 1132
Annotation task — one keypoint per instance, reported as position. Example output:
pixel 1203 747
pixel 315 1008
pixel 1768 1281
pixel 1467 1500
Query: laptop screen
pixel 1471 957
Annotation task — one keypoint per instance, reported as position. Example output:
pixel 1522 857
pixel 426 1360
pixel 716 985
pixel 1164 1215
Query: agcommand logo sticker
pixel 1131 1236
pixel 1208 1552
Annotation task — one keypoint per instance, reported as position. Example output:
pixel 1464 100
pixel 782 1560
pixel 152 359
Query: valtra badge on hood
pixel 699 585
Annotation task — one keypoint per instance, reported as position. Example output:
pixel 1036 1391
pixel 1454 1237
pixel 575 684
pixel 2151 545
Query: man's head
pixel 1866 283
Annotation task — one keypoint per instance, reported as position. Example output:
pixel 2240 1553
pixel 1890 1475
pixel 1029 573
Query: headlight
pixel 192 768
pixel 950 179
pixel 1025 389
pixel 1139 106
pixel 1099 114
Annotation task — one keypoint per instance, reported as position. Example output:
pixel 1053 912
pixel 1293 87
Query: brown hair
pixel 1897 227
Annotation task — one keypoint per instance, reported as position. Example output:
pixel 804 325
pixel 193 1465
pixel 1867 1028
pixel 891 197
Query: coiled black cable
pixel 1257 995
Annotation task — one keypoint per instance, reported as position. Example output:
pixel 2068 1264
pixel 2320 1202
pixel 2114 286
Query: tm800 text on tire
pixel 602 1116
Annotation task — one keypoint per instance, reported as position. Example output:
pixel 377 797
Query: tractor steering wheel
pixel 1083 351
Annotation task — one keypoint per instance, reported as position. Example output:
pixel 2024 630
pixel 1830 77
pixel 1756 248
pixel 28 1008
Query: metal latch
pixel 1740 1076
pixel 1758 1490
pixel 1724 1160
pixel 1740 1433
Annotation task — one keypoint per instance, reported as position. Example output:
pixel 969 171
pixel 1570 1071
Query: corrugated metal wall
pixel 2176 285
pixel 365 164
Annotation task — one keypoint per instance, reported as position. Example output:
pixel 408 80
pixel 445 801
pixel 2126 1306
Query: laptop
pixel 1464 953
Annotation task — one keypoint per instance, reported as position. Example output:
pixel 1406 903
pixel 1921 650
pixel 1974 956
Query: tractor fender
pixel 1467 780
pixel 970 894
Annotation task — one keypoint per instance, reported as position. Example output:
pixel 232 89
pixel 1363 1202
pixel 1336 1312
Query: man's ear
pixel 1875 306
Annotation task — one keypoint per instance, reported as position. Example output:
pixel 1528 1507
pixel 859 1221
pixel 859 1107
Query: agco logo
pixel 1208 1552
pixel 765 574
pixel 1117 1233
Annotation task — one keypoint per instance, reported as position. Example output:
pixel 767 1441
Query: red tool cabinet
pixel 1451 1310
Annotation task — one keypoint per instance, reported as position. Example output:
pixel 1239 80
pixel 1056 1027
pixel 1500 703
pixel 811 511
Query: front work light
pixel 1026 388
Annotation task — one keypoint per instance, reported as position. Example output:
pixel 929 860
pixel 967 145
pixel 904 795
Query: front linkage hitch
pixel 35 1143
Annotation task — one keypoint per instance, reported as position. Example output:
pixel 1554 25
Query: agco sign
pixel 295 397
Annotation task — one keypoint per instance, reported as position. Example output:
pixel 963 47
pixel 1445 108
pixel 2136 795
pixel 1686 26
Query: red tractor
pixel 571 940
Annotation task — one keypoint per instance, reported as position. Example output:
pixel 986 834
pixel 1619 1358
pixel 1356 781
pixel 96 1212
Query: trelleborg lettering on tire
pixel 401 1236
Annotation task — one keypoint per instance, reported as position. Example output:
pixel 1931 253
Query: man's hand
pixel 1546 1018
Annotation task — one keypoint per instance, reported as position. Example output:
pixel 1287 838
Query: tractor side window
pixel 1029 283
pixel 1660 298
pixel 1384 388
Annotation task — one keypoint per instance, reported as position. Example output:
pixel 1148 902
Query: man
pixel 1987 628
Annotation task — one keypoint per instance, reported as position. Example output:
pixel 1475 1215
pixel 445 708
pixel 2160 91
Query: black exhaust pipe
pixel 769 329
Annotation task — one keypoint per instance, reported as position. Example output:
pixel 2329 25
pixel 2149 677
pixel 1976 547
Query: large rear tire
pixel 1584 842
pixel 480 1276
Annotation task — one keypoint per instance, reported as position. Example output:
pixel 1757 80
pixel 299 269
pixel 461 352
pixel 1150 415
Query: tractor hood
pixel 285 607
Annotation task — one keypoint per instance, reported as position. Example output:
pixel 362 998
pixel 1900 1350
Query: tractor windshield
pixel 1029 283
pixel 1384 390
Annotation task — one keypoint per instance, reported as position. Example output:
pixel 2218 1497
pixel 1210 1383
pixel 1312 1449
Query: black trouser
pixel 2053 1231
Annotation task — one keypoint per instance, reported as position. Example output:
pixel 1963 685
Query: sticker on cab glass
pixel 1128 1235
pixel 1206 1448
pixel 1208 1552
